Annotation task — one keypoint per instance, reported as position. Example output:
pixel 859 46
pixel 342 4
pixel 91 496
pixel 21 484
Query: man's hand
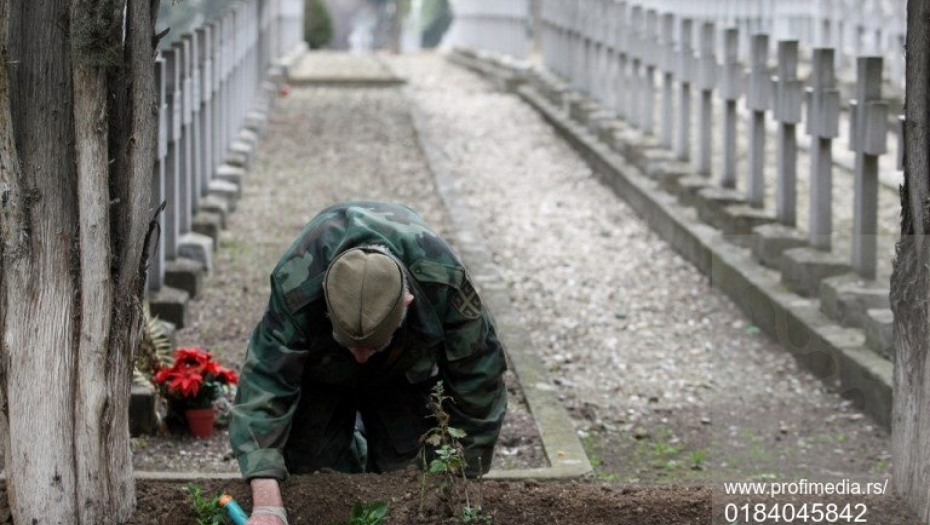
pixel 267 505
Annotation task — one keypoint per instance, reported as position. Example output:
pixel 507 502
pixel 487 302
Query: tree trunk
pixel 910 282
pixel 77 148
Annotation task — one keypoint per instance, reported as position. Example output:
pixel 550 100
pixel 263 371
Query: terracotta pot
pixel 200 421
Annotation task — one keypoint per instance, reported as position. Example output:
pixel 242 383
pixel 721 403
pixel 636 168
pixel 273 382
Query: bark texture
pixel 77 145
pixel 910 282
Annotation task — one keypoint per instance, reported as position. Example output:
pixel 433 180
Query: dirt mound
pixel 326 498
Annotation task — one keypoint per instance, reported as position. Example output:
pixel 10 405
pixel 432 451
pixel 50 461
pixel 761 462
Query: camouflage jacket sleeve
pixel 472 371
pixel 268 391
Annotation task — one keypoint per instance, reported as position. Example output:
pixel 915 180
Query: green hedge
pixel 318 24
pixel 437 17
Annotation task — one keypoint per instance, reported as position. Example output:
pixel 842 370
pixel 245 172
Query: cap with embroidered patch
pixel 364 290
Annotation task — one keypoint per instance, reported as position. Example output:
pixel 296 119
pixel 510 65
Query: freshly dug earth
pixel 326 498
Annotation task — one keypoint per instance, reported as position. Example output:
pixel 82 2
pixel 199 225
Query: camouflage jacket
pixel 447 330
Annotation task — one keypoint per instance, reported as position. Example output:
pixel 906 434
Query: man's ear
pixel 408 298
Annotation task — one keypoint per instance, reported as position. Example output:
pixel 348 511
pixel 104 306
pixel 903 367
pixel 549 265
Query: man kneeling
pixel 369 308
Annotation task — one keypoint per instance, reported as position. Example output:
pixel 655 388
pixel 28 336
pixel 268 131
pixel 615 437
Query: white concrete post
pixel 216 97
pixel 650 60
pixel 610 55
pixel 247 22
pixel 205 41
pixel 545 37
pixel 226 81
pixel 222 113
pixel 253 58
pixel 623 63
pixel 194 99
pixel 730 91
pixel 274 11
pixel 868 135
pixel 586 47
pixel 173 157
pixel 757 100
pixel 635 47
pixel 571 10
pixel 823 113
pixel 156 273
pixel 262 40
pixel 553 44
pixel 684 72
pixel 600 69
pixel 577 62
pixel 707 81
pixel 236 83
pixel 565 12
pixel 787 112
pixel 743 31
pixel 594 49
pixel 562 15
pixel 608 70
pixel 183 54
pixel 668 77
pixel 235 75
pixel 556 16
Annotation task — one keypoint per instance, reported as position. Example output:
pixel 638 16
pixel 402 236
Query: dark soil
pixel 326 498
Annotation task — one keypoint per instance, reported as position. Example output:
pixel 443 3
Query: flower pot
pixel 200 421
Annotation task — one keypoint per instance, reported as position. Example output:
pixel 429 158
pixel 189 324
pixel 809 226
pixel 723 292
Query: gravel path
pixel 662 374
pixel 322 145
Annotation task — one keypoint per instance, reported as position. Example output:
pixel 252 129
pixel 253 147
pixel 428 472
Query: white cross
pixel 867 136
pixel 787 111
pixel 731 89
pixel 823 113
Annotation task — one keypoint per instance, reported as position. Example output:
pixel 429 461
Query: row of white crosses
pixel 206 83
pixel 851 27
pixel 636 42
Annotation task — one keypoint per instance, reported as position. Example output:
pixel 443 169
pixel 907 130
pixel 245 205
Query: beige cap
pixel 364 289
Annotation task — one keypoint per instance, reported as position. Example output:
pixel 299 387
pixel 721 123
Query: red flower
pixel 211 368
pixel 194 378
pixel 188 384
pixel 192 357
pixel 227 376
pixel 163 375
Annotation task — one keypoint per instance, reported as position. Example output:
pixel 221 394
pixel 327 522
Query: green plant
pixel 665 450
pixel 437 18
pixel 475 514
pixel 697 459
pixel 318 24
pixel 154 350
pixel 367 513
pixel 207 510
pixel 443 458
